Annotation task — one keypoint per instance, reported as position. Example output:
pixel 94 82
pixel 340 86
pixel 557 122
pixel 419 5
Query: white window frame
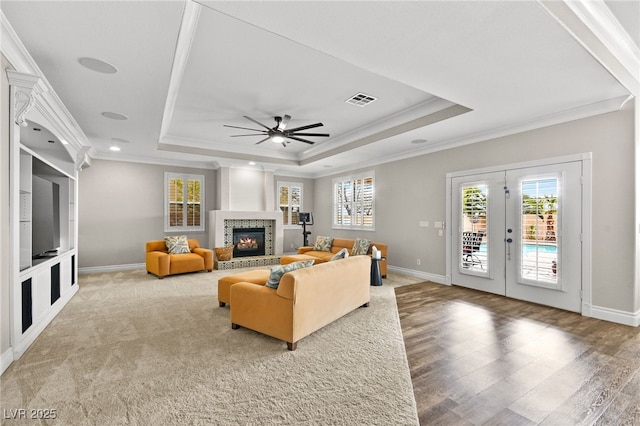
pixel 185 177
pixel 290 185
pixel 351 180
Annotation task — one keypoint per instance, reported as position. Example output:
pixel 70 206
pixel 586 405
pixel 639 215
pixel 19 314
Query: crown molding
pixel 210 165
pixel 186 35
pixel 401 121
pixel 610 105
pixel 175 145
pixel 434 117
pixel 48 104
pixel 594 26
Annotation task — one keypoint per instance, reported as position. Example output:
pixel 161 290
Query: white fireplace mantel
pixel 216 225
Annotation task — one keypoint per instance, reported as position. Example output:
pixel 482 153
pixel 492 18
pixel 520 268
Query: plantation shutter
pixel 290 202
pixel 184 199
pixel 354 202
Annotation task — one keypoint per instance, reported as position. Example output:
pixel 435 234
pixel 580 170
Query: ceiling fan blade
pixel 265 139
pixel 283 123
pixel 250 134
pixel 300 140
pixel 310 126
pixel 326 135
pixel 257 122
pixel 243 128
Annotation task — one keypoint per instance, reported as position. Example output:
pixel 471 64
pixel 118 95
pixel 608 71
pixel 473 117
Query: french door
pixel 518 233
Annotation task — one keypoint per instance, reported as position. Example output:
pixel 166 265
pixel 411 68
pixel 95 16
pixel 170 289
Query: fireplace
pixel 222 223
pixel 248 242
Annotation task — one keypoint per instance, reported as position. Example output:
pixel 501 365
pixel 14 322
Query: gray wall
pixel 116 217
pixel 121 207
pixel 412 190
pixel 5 318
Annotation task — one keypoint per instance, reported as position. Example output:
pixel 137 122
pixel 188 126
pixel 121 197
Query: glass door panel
pixel 474 254
pixel 539 260
pixel 544 215
pixel 478 243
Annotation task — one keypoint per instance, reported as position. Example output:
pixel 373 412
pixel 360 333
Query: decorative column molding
pixel 222 193
pixel 82 158
pixel 269 192
pixel 25 89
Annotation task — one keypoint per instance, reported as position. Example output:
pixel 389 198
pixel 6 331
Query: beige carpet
pixel 132 349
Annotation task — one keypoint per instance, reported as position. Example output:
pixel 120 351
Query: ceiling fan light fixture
pixel 277 134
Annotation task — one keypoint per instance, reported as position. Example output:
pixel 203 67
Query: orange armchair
pixel 161 263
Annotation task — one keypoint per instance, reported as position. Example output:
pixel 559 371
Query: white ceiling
pixel 449 73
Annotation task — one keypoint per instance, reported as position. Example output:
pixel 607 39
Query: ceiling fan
pixel 279 133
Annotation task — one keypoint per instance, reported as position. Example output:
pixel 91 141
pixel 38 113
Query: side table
pixel 376 276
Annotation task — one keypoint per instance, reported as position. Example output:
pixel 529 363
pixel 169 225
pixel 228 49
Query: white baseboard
pixel 111 268
pixel 6 359
pixel 613 315
pixel 440 279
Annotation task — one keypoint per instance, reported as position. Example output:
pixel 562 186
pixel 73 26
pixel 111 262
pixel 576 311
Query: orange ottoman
pixel 259 276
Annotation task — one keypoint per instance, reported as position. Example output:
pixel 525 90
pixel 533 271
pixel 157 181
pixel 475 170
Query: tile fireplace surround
pixel 222 222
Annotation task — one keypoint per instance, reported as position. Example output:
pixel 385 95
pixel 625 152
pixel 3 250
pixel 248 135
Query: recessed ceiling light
pixel 419 141
pixel 252 163
pixel 114 148
pixel 98 65
pixel 120 140
pixel 115 115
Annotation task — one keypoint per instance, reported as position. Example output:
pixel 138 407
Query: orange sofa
pixel 308 253
pixel 306 299
pixel 161 263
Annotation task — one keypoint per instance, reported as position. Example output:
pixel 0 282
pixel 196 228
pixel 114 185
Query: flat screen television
pixel 45 217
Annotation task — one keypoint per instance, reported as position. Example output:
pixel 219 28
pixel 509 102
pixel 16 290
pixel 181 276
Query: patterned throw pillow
pixel 360 247
pixel 323 243
pixel 342 254
pixel 278 271
pixel 177 245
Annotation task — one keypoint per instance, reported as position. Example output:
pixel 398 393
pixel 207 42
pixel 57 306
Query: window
pixel 290 202
pixel 184 202
pixel 353 201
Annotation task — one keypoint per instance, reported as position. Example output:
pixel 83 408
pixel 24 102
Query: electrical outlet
pixel 418 262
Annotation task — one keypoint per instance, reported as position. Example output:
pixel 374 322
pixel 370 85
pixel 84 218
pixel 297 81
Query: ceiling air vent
pixel 360 99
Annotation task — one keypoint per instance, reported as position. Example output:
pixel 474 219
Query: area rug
pixel 130 349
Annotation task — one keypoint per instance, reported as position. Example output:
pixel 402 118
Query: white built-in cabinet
pixel 40 286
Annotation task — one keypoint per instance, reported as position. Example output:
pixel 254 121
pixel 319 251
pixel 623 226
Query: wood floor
pixel 477 358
